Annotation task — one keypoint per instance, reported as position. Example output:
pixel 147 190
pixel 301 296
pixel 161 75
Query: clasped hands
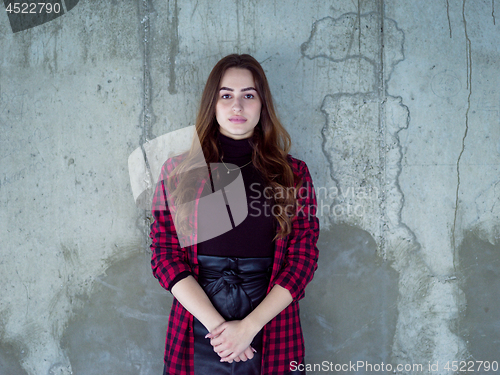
pixel 231 341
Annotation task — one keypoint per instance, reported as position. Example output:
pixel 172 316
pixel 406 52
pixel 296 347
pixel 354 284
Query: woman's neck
pixel 235 148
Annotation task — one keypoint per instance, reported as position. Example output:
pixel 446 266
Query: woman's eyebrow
pixel 245 89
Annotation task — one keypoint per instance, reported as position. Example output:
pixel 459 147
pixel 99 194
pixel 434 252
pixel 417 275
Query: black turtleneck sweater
pixel 253 237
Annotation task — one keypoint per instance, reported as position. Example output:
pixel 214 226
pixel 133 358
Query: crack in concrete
pixel 314 30
pixel 63 3
pixel 461 303
pixel 173 46
pixel 238 26
pixel 359 40
pixel 194 9
pixel 398 174
pixel 351 42
pixel 382 129
pixel 324 150
pixel 27 294
pixel 448 15
pixel 411 242
pixel 493 11
pixel 147 115
pixel 469 87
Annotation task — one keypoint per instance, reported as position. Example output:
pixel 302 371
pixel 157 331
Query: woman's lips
pixel 237 119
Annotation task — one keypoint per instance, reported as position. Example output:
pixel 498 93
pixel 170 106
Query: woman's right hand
pixel 229 340
pixel 248 353
pixel 194 299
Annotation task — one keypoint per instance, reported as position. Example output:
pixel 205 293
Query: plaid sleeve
pixel 302 253
pixel 168 259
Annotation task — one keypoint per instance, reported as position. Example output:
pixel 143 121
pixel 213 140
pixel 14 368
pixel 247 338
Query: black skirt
pixel 235 286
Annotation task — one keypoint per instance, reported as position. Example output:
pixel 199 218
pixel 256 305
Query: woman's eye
pixel 225 96
pixel 249 96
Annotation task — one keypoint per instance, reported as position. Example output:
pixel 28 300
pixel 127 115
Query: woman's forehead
pixel 237 78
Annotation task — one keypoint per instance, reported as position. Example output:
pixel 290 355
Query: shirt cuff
pixel 178 278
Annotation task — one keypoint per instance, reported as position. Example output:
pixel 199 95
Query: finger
pixel 216 331
pixel 216 341
pixel 224 354
pixel 237 359
pixel 213 337
pixel 249 352
pixel 242 356
pixel 219 349
pixel 228 357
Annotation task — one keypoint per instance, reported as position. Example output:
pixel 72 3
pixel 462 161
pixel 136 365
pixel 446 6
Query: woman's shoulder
pixel 297 165
pixel 173 162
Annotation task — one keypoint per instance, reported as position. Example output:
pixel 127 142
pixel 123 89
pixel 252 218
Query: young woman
pixel 236 294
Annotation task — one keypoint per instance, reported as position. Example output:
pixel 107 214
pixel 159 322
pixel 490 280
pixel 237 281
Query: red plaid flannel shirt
pixel 295 261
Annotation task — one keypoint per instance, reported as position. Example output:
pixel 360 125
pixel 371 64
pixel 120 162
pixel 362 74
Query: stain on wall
pixel 121 326
pixel 11 356
pixel 479 321
pixel 351 306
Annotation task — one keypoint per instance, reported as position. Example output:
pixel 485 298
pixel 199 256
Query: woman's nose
pixel 237 105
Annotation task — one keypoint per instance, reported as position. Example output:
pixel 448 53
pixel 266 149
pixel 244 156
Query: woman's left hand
pixel 230 339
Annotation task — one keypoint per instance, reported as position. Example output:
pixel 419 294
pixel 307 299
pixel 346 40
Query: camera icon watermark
pixel 226 204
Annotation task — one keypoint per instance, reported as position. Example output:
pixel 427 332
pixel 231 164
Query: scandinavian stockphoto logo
pixel 25 15
pixel 224 208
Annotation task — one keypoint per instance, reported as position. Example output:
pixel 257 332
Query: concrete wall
pixel 394 105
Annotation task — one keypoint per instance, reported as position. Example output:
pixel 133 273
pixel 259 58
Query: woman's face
pixel 238 104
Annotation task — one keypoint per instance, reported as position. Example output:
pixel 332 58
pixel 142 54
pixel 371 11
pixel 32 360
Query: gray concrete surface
pixel 394 105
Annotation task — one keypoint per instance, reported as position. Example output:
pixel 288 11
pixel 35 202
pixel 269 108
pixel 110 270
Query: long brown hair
pixel 271 144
